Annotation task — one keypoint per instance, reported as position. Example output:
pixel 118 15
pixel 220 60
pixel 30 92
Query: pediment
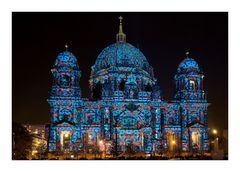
pixel 195 124
pixel 63 123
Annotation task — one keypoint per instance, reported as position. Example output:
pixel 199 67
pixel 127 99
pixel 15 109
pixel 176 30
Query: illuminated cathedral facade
pixel 126 106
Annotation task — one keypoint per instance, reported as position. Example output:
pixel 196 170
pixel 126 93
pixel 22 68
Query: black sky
pixel 37 38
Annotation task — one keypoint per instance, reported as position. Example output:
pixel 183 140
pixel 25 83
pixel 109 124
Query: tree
pixel 22 142
pixel 41 149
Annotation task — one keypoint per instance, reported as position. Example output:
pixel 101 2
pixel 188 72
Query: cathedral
pixel 126 107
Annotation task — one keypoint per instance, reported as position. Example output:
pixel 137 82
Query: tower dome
pixel 188 65
pixel 66 59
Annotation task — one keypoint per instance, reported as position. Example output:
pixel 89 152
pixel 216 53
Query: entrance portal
pixel 195 141
pixel 130 141
pixel 65 140
pixel 172 141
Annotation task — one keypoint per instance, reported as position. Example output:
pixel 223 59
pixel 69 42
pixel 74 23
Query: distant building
pixel 40 137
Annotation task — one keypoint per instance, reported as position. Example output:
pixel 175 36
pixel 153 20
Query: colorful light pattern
pixel 126 106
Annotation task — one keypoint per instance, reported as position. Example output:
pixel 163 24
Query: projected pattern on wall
pixel 126 106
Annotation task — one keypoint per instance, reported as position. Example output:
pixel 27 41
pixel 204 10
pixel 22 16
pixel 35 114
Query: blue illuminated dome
pixel 188 65
pixel 66 59
pixel 121 54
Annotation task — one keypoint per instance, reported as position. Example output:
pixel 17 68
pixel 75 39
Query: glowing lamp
pixel 101 142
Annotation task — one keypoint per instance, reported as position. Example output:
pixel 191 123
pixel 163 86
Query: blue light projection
pixel 126 106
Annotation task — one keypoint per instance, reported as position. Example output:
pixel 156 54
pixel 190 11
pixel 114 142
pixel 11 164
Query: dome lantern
pixel 121 37
pixel 187 53
pixel 66 46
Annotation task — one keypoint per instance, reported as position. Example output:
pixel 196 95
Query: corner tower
pixel 189 81
pixel 64 103
pixel 193 105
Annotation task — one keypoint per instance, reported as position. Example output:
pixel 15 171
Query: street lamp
pixel 214 131
pixel 100 142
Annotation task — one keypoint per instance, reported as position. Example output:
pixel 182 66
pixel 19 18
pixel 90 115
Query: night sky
pixel 37 38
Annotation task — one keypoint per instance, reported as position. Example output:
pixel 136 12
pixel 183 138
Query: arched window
pixel 122 85
pixel 65 80
pixel 171 120
pixel 148 88
pixel 97 91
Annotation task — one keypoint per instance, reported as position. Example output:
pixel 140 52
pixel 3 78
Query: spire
pixel 121 37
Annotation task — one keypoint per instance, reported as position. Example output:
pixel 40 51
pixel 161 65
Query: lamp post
pixel 215 141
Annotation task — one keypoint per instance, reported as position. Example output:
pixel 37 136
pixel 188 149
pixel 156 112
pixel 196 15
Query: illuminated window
pixel 195 138
pixel 172 142
pixel 65 140
pixel 192 85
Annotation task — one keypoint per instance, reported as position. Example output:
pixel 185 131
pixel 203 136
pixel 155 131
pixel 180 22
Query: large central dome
pixel 121 54
pixel 121 70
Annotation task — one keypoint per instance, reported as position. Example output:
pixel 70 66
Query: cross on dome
pixel 120 18
pixel 66 46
